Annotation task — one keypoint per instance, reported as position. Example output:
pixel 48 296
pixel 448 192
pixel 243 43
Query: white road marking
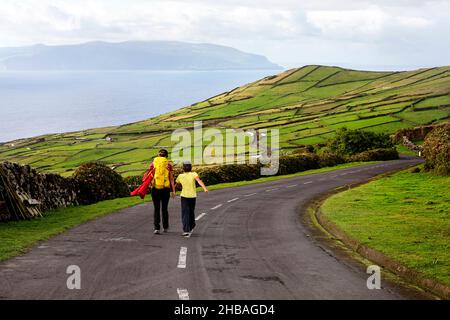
pixel 200 216
pixel 272 189
pixel 292 185
pixel 183 294
pixel 308 182
pixel 334 176
pixel 234 199
pixel 182 258
pixel 251 194
pixel 216 207
pixel 120 239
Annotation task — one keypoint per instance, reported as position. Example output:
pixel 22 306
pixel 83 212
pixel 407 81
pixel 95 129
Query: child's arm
pixel 200 182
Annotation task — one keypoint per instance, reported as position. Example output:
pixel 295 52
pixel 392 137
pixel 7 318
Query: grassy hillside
pixel 307 104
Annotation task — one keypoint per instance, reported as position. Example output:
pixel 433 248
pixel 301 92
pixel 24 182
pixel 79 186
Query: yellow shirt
pixel 187 181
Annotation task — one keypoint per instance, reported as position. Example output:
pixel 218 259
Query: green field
pixel 307 104
pixel 405 216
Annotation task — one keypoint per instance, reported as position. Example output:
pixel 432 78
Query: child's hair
pixel 163 153
pixel 187 166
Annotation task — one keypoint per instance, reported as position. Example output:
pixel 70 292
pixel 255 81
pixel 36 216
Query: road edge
pixel 361 253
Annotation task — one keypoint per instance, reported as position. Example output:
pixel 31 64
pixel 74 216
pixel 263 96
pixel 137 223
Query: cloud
pixel 363 25
pixel 348 23
pixel 285 30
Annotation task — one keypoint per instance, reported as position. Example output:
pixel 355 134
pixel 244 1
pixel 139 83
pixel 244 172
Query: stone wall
pixel 22 187
pixel 417 133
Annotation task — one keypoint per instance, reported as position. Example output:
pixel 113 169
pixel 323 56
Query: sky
pixel 361 34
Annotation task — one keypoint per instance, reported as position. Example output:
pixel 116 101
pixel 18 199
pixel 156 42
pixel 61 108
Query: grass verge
pixel 405 216
pixel 18 236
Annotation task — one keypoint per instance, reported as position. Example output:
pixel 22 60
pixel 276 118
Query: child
pixel 188 197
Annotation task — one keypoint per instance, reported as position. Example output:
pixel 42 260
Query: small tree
pixel 98 182
pixel 347 142
pixel 436 150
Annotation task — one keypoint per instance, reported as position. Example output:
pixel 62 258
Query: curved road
pixel 249 244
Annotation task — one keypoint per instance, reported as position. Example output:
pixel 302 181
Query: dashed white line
pixel 201 215
pixel 250 194
pixel 234 199
pixel 272 189
pixel 292 185
pixel 308 182
pixel 216 207
pixel 183 294
pixel 182 258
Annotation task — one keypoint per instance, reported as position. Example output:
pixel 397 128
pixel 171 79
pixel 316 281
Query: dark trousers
pixel 160 198
pixel 188 213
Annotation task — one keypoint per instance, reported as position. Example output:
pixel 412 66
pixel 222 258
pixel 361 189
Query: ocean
pixel 40 102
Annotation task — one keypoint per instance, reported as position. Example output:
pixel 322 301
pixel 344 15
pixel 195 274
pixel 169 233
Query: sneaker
pixel 166 230
pixel 185 234
pixel 156 232
pixel 188 235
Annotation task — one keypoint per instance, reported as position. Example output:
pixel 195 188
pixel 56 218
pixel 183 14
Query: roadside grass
pixel 405 216
pixel 404 150
pixel 16 237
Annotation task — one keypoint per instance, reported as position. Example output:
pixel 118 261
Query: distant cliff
pixel 131 55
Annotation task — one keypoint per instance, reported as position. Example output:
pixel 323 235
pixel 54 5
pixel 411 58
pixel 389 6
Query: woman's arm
pixel 200 182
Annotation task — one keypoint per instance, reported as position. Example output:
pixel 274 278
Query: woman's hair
pixel 187 167
pixel 163 153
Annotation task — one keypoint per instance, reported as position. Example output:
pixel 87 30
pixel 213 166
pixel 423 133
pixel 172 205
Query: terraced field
pixel 307 104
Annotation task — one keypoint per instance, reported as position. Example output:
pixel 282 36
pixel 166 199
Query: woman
pixel 162 184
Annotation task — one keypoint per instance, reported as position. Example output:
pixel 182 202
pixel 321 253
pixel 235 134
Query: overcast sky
pixel 366 34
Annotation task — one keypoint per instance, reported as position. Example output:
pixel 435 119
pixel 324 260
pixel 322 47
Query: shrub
pixel 98 182
pixel 229 173
pixel 296 163
pixel 375 155
pixel 436 150
pixel 348 142
pixel 330 159
pixel 133 181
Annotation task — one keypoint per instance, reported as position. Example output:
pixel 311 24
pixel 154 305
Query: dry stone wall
pixel 25 193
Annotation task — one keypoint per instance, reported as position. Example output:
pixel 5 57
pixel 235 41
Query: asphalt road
pixel 249 244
